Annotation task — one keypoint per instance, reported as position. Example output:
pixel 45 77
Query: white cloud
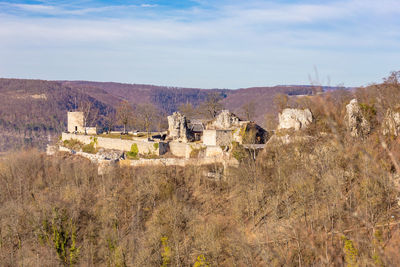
pixel 148 5
pixel 201 46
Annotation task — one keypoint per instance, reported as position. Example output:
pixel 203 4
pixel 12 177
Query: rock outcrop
pixel 225 120
pixel 391 123
pixel 115 155
pixel 295 118
pixel 178 128
pixel 356 122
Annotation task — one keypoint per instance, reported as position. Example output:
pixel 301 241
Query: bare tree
pixel 281 101
pixel 147 116
pixel 188 110
pixel 125 114
pixel 160 121
pixel 249 110
pixel 212 105
pixel 271 121
pixel 109 118
pixel 394 78
pixel 90 113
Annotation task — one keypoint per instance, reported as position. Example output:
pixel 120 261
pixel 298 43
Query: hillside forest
pixel 324 199
pixel 32 112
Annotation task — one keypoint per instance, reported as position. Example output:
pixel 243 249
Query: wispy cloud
pixel 232 43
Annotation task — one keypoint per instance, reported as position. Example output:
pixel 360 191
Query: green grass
pixel 118 136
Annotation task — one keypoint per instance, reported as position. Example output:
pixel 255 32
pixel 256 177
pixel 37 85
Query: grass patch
pixel 118 136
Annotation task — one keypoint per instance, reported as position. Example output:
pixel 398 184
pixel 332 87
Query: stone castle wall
pixel 217 137
pixel 118 144
pixel 214 151
pixel 182 150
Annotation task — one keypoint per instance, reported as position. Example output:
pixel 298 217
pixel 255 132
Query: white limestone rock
pixel 295 118
pixel 356 122
pixel 113 155
pixel 391 123
pixel 51 150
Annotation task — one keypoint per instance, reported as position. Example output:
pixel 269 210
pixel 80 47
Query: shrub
pixel 196 152
pixel 350 251
pixel 201 261
pixel 60 233
pixel 89 148
pixel 73 144
pixel 133 154
pixel 369 111
pixel 238 151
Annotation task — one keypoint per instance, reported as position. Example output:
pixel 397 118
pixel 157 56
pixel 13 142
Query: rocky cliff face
pixel 294 118
pixel 177 127
pixel 356 122
pixel 391 123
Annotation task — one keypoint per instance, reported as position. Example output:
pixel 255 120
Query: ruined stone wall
pixel 214 151
pixel 217 137
pixel 75 122
pixel 224 137
pixel 180 149
pixel 118 144
pixel 91 130
pixel 210 137
pixel 177 128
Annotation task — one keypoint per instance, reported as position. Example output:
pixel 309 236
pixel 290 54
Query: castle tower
pixel 75 122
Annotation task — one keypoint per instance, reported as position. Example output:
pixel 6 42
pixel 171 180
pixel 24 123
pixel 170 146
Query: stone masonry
pixel 178 128
pixel 75 122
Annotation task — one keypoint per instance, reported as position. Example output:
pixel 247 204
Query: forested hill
pixel 31 110
pixel 165 98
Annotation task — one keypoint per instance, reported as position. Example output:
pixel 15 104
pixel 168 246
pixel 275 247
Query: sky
pixel 202 43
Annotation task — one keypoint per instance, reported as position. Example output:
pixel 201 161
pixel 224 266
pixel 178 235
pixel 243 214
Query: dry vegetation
pixel 329 200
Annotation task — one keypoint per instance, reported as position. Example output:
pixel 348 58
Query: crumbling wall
pixel 217 137
pixel 214 151
pixel 183 150
pixel 157 148
pixel 178 128
pixel 224 121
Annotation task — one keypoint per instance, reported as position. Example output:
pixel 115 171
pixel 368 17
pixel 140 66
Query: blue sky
pixel 201 43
